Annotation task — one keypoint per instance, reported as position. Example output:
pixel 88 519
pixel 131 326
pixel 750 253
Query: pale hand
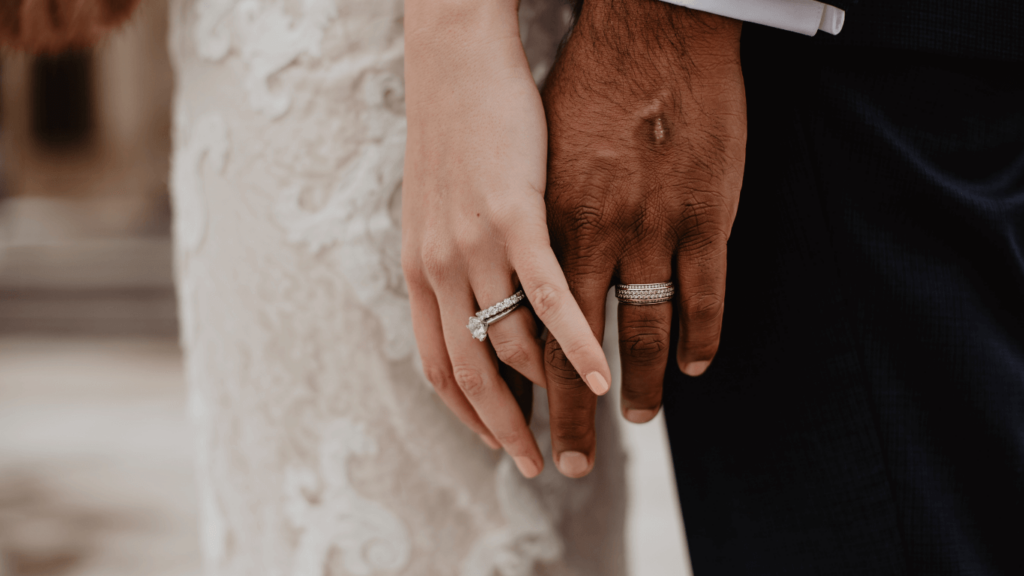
pixel 473 218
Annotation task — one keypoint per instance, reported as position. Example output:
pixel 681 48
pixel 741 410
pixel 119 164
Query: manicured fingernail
pixel 526 466
pixel 597 383
pixel 638 416
pixel 573 464
pixel 695 368
pixel 491 442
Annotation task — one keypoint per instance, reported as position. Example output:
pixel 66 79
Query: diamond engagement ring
pixel 478 324
pixel 645 294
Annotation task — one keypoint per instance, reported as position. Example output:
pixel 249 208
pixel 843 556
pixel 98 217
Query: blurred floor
pixel 95 459
pixel 96 465
pixel 654 532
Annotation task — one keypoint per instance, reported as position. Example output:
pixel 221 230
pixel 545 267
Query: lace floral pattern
pixel 334 517
pixel 321 448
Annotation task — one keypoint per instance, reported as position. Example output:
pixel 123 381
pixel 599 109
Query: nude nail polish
pixel 526 466
pixel 597 383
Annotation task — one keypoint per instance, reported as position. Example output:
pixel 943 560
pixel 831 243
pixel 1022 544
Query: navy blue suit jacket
pixel 865 412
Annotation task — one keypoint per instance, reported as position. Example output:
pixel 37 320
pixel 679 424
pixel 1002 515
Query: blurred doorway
pixel 84 211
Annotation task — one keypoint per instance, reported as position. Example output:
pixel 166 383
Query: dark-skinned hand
pixel 647 134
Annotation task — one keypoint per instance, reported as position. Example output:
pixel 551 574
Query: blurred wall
pixel 84 214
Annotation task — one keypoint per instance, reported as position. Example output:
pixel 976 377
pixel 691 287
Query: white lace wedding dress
pixel 323 451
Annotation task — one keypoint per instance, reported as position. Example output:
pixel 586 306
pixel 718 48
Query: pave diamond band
pixel 645 294
pixel 478 324
pixel 508 304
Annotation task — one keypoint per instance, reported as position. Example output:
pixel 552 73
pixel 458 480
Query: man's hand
pixel 647 134
pixel 56 25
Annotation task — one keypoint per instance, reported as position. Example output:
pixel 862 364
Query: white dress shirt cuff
pixel 801 16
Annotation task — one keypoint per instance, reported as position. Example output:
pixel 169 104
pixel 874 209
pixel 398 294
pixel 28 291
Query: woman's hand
pixel 473 218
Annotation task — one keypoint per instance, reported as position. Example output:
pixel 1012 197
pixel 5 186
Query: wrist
pixel 452 42
pixel 659 34
pixel 463 59
pixel 454 21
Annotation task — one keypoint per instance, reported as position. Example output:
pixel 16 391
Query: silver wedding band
pixel 645 294
pixel 478 324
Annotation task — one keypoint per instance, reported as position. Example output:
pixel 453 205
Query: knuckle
pixel 410 263
pixel 507 438
pixel 703 234
pixel 585 264
pixel 579 215
pixel 645 343
pixel 701 210
pixel 415 279
pixel 512 353
pixel 643 218
pixel 469 241
pixel 698 345
pixel 440 378
pixel 413 271
pixel 702 309
pixel 572 429
pixel 470 381
pixel 587 216
pixel 545 300
pixel 435 265
pixel 559 366
pixel 704 247
pixel 568 383
pixel 438 259
pixel 577 350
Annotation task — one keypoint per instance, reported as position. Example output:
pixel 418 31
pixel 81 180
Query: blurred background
pixel 95 452
pixel 95 456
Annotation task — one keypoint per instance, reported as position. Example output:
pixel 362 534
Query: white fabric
pixel 801 16
pixel 322 449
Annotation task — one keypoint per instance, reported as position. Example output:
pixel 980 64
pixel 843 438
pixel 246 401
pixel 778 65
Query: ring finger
pixel 476 373
pixel 644 331
pixel 514 337
pixel 426 323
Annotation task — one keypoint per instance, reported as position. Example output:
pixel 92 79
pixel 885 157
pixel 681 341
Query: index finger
pixel 548 292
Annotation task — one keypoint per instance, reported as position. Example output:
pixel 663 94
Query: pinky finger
pixel 701 304
pixel 426 324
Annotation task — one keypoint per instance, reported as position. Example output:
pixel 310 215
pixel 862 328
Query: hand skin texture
pixel 474 221
pixel 647 135
pixel 50 26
